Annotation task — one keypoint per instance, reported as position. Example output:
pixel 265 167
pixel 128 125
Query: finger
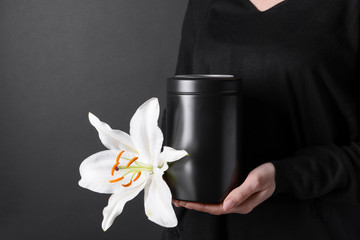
pixel 175 203
pixel 251 202
pixel 239 195
pixel 215 209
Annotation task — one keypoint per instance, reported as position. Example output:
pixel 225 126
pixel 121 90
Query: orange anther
pixel 117 163
pixel 118 156
pixel 113 168
pixel 116 180
pixel 137 176
pixel 128 184
pixel 131 161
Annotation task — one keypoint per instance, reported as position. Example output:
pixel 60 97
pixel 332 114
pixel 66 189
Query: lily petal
pixel 145 133
pixel 117 202
pixel 158 205
pixel 111 138
pixel 171 155
pixel 95 172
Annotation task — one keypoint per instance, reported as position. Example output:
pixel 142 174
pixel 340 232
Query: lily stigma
pixel 133 162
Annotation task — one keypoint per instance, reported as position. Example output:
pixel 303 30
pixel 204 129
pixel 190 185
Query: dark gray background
pixel 60 59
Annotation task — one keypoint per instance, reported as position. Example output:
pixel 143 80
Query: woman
pixel 299 62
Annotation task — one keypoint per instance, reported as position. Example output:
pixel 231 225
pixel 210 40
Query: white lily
pixel 133 162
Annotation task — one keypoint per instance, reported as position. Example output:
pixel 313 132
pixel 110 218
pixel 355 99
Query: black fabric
pixel 299 62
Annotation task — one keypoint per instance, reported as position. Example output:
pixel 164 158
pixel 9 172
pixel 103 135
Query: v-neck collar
pixel 254 7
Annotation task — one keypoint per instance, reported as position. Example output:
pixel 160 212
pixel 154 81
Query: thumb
pixel 238 196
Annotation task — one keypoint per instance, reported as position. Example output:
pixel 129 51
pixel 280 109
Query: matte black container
pixel 203 117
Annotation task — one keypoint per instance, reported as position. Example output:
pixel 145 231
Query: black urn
pixel 203 117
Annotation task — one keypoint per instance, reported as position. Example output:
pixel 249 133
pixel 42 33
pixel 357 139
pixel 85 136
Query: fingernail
pixel 228 204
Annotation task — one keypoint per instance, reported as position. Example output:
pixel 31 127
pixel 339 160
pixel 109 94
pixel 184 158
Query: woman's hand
pixel 257 187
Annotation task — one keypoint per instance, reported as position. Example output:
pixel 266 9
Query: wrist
pixel 282 183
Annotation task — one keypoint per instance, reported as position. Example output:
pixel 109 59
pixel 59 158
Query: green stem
pixel 135 167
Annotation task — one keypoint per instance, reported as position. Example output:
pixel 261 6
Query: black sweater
pixel 299 62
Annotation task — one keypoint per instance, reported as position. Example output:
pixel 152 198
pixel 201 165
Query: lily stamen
pixel 117 163
pixel 114 168
pixel 116 180
pixel 118 156
pixel 137 176
pixel 131 161
pixel 128 184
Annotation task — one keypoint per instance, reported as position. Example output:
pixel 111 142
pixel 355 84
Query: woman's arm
pixel 328 171
pixel 257 187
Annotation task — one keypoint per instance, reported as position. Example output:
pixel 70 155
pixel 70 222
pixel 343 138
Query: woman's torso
pixel 298 61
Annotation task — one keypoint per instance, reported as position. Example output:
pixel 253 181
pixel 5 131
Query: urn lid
pixel 203 84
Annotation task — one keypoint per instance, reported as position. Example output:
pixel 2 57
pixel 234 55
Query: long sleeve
pixel 326 171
